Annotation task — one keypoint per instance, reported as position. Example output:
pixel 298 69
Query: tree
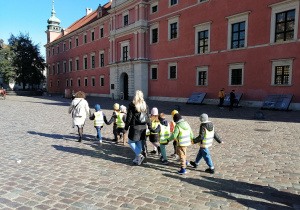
pixel 27 61
pixel 6 65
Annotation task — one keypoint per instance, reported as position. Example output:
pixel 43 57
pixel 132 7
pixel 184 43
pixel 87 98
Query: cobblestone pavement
pixel 43 167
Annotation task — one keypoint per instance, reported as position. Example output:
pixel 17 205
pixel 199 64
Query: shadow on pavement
pixel 241 192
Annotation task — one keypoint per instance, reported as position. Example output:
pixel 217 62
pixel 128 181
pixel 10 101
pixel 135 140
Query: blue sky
pixel 30 17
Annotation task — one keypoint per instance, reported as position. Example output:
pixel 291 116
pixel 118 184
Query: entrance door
pixel 125 87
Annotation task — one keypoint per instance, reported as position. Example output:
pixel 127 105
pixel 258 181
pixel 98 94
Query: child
pixel 184 135
pixel 114 116
pixel 99 119
pixel 164 134
pixel 121 119
pixel 154 135
pixel 205 140
pixel 172 126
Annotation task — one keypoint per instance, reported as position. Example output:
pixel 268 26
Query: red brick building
pixel 171 48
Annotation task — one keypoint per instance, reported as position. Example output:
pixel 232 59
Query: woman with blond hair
pixel 137 129
pixel 80 110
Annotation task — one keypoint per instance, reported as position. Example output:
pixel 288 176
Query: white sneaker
pixel 100 141
pixel 140 159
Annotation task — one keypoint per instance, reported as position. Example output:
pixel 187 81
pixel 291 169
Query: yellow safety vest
pixel 98 121
pixel 154 126
pixel 120 122
pixel 164 133
pixel 208 138
pixel 184 138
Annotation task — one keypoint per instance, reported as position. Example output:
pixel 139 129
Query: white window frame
pixel 101 27
pixel 233 19
pixel 70 65
pixel 153 5
pixel 151 67
pixel 124 44
pixel 236 66
pixel 281 7
pixel 78 79
pixel 91 61
pixel 173 4
pixel 169 65
pixel 154 26
pixel 282 62
pixel 101 85
pixel 123 15
pixel 85 84
pixel 198 28
pixel 64 66
pixel 93 78
pixel 101 52
pixel 71 82
pixel 77 66
pixel 64 46
pixel 57 68
pixel 85 35
pixel 83 61
pixel 76 41
pixel 67 82
pixel 200 69
pixel 172 20
pixel 92 31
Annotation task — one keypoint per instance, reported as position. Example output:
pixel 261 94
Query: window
pixel 57 49
pixel 53 69
pixel 282 72
pixel 85 82
pixel 70 65
pixel 70 44
pixel 153 72
pixel 202 0
pixel 154 7
pixel 78 82
pixel 93 60
pixel 172 70
pixel 57 70
pixel 101 32
pixel 173 2
pixel 64 46
pixel 125 20
pixel 236 74
pixel 202 76
pixel 65 66
pixel 84 38
pixel 93 82
pixel 67 83
pixel 92 35
pixel 154 33
pixel 173 27
pixel 125 50
pixel 237 30
pixel 202 42
pixel 202 38
pixel 101 59
pixel 284 21
pixel 76 42
pixel 102 81
pixel 57 83
pixel 77 63
pixel 125 53
pixel 71 82
pixel 52 51
pixel 85 62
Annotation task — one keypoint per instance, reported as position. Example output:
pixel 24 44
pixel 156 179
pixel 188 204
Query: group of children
pixel 178 131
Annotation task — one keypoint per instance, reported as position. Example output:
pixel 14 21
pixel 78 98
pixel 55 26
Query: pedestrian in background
pixel 121 119
pixel 80 110
pixel 221 98
pixel 154 137
pixel 232 99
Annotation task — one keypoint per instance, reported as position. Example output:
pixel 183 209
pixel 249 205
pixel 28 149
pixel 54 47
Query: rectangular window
pixel 93 81
pixel 125 20
pixel 155 35
pixel 76 42
pixel 70 66
pixel 173 2
pixel 57 50
pixel 93 61
pixel 202 41
pixel 70 45
pixel 154 73
pixel 93 36
pixel 71 83
pixel 173 31
pixel 85 63
pixel 64 46
pixel 173 72
pixel 202 78
pixel 52 51
pixel 238 35
pixel 57 83
pixel 101 60
pixel 101 33
pixel 84 39
pixel 53 70
pixel 78 82
pixel 101 81
pixel 77 64
pixel 58 68
pixel 285 23
pixel 65 66
pixel 154 9
pixel 125 53
pixel 67 83
pixel 282 75
pixel 236 76
pixel 85 82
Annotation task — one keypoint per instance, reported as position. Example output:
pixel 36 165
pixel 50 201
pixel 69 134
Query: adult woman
pixel 79 109
pixel 137 129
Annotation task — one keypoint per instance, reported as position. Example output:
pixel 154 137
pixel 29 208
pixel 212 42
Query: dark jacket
pixel 209 126
pixel 137 131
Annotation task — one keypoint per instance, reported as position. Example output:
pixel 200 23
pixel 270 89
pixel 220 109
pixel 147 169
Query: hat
pixel 174 112
pixel 177 117
pixel 97 107
pixel 154 111
pixel 116 106
pixel 203 117
pixel 123 108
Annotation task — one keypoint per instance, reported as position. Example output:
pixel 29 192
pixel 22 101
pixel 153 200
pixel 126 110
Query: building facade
pixel 171 48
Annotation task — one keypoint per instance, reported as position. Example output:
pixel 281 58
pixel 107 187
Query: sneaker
pixel 193 164
pixel 165 162
pixel 182 171
pixel 140 159
pixel 100 141
pixel 135 160
pixel 209 170
pixel 187 163
pixel 153 152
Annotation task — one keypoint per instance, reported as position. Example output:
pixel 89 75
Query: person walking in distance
pixel 232 100
pixel 221 98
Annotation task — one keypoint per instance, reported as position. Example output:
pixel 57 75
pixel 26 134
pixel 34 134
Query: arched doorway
pixel 124 85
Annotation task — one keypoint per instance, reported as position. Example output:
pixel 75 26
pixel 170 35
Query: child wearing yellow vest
pixel 205 139
pixel 164 134
pixel 99 120
pixel 121 119
pixel 154 138
pixel 184 135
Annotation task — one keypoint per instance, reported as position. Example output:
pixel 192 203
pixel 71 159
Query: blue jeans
pixel 98 128
pixel 204 153
pixel 136 146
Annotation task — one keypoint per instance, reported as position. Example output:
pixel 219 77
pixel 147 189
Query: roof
pixel 93 16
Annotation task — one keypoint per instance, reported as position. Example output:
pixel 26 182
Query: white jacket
pixel 81 111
